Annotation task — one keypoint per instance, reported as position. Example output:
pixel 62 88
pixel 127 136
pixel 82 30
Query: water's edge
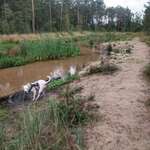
pixel 12 79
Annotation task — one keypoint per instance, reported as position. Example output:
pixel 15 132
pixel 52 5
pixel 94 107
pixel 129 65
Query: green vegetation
pixel 57 83
pixel 65 15
pixel 100 37
pixel 48 49
pixel 55 125
pixel 6 45
pixel 22 52
pixel 30 51
pixel 147 19
pixel 8 61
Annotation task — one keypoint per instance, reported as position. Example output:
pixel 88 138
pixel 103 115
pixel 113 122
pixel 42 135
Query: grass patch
pixel 57 83
pixel 39 50
pixel 56 126
pixel 5 45
pixel 95 38
pixel 8 61
pixel 46 47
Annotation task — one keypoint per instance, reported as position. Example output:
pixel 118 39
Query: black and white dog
pixel 37 88
pixel 33 91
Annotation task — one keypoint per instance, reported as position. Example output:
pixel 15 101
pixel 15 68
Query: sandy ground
pixel 125 123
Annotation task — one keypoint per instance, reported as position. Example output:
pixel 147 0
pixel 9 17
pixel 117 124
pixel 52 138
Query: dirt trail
pixel 126 120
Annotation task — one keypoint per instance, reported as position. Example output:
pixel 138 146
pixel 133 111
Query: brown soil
pixel 125 123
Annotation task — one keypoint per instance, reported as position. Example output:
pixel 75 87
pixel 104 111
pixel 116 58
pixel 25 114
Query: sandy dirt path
pixel 125 123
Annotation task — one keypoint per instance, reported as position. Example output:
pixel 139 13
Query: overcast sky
pixel 134 5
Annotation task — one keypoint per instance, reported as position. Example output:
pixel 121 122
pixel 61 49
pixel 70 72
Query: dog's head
pixel 27 87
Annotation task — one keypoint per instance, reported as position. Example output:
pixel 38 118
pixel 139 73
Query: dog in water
pixel 37 88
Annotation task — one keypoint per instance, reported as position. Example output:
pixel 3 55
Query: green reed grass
pixel 45 49
pixel 57 83
pixel 42 49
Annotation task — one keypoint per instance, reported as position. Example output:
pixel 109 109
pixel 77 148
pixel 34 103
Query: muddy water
pixel 12 79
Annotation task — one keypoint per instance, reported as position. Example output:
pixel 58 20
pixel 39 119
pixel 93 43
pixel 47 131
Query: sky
pixel 134 5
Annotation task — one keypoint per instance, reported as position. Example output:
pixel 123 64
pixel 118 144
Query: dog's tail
pixel 49 79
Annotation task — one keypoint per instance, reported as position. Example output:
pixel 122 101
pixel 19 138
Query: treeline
pixel 25 16
pixel 147 18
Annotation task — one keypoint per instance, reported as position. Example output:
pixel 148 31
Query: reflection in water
pixel 12 79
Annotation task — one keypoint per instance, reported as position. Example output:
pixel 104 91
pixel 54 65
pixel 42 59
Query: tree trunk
pixel 50 15
pixel 78 16
pixel 33 17
pixel 4 9
pixel 61 17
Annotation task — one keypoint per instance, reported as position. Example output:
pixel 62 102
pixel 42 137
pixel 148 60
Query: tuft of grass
pixel 57 83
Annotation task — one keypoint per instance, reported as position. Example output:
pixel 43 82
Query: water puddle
pixel 12 79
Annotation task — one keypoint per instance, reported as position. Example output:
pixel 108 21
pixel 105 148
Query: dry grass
pixel 21 37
